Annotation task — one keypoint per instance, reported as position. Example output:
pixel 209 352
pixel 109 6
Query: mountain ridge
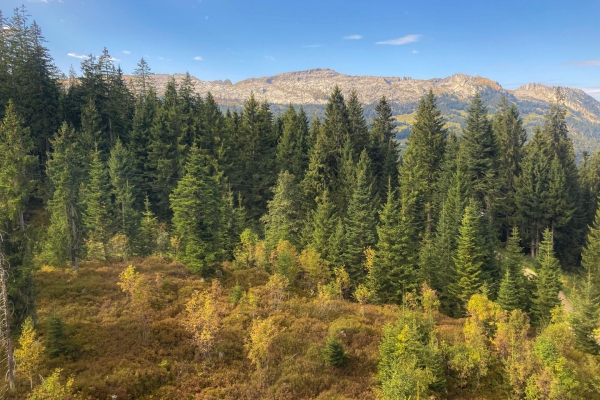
pixel 311 88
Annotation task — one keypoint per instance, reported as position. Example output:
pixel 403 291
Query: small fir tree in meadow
pixel 333 353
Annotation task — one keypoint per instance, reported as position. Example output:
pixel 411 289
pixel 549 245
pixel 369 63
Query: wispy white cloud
pixel 592 91
pixel 401 40
pixel 352 37
pixel 80 56
pixel 312 46
pixel 270 58
pixel 161 58
pixel 198 58
pixel 586 63
pixel 126 52
pixel 415 51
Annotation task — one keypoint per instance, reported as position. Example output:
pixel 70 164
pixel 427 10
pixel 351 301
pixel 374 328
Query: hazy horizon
pixel 513 43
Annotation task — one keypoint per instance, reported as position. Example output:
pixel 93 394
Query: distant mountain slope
pixel 311 89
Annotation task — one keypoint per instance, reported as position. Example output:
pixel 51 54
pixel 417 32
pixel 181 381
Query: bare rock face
pixel 313 86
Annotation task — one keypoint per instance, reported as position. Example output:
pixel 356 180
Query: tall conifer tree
pixel 479 154
pixel 65 171
pixel 197 214
pixel 548 280
pixel 96 201
pixel 283 219
pixel 508 128
pixel 469 259
pixel 360 222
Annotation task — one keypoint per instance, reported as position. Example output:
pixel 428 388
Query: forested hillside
pixel 157 247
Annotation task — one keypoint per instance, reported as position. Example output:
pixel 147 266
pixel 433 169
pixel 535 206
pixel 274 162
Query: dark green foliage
pixel 358 133
pixel 383 149
pixel 360 222
pixel 148 231
pixel 17 165
pixel 97 206
pixel 333 353
pixel 390 280
pixel 532 190
pixel 253 172
pixel 508 129
pixel 479 155
pixel 469 258
pixel 197 204
pixel 590 257
pixel 322 224
pixel 283 219
pixel 123 180
pixel 422 159
pixel 28 77
pixel 548 280
pixel 57 343
pixel 585 316
pixel 65 171
pixel 292 149
pixel 513 294
pixel 164 153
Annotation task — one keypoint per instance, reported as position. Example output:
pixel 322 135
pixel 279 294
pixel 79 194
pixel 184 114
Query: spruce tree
pixel 360 222
pixel 253 170
pixel 334 354
pixel 317 177
pixel 532 190
pixel 56 341
pixel 143 75
pixel 322 225
pixel 468 260
pixel 123 180
pixel 590 257
pixel 97 206
pixel 566 222
pixel 148 230
pixel 283 220
pixel 508 128
pixel 335 126
pixel 479 154
pixel 358 133
pixel 164 156
pixel 389 279
pixel 513 294
pixel 90 135
pixel 337 244
pixel 559 204
pixel 17 164
pixel 292 150
pixel 197 214
pixel 586 314
pixel 146 108
pixel 383 149
pixel 423 157
pixel 548 280
pixel 65 169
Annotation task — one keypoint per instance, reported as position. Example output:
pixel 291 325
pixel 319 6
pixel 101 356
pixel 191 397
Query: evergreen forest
pixel 164 247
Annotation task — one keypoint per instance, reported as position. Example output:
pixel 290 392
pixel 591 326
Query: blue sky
pixel 512 42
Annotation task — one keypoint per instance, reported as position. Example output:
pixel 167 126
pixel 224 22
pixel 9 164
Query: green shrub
pixel 236 294
pixel 56 342
pixel 333 353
